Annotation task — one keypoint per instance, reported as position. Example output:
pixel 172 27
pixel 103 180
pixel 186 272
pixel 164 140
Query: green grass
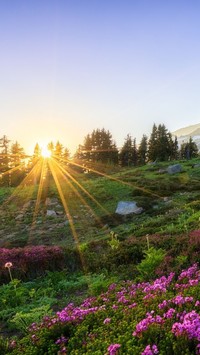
pixel 90 216
pixel 171 206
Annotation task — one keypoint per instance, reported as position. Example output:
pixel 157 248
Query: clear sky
pixel 68 67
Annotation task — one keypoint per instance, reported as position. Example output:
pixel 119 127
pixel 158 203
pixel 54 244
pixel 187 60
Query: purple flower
pixel 112 349
pixel 190 326
pixel 61 340
pixel 106 321
pixel 150 350
pixel 169 313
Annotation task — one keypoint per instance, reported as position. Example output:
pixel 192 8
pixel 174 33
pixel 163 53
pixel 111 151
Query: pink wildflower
pixel 112 349
pixel 8 265
pixel 150 350
pixel 106 321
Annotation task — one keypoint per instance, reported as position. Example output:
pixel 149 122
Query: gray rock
pixel 19 217
pixel 47 201
pixel 128 207
pixel 165 199
pixel 51 201
pixel 51 213
pixel 59 213
pixel 174 169
pixel 152 162
pixel 27 205
pixel 162 171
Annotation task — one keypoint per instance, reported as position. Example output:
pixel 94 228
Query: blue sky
pixel 68 67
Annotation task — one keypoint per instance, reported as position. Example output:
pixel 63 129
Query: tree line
pixel 98 147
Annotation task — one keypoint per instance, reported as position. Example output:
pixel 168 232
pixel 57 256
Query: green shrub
pixel 153 258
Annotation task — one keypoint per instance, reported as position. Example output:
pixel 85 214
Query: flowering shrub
pixel 30 261
pixel 159 317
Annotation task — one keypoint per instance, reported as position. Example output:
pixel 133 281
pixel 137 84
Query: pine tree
pixel 66 154
pixel 98 147
pixel 135 153
pixel 58 151
pixel 126 153
pixel 4 160
pixel 37 151
pixel 50 147
pixel 189 150
pixel 161 146
pixel 163 143
pixel 17 161
pixel 174 148
pixel 152 147
pixel 142 150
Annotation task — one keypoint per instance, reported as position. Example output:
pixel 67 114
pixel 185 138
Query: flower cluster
pixel 190 326
pixel 30 261
pixel 150 350
pixel 112 349
pixel 122 320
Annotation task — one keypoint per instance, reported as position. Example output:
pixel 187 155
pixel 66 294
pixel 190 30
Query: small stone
pixel 19 217
pixel 128 207
pixel 174 169
pixel 51 213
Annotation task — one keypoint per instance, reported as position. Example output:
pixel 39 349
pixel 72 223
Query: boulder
pixel 51 213
pixel 51 201
pixel 174 169
pixel 19 217
pixel 27 205
pixel 127 207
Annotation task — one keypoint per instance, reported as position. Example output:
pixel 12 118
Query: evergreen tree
pixel 32 167
pixel 189 150
pixel 114 154
pixel 135 153
pixel 58 151
pixel 163 143
pixel 37 151
pixel 142 150
pixel 50 147
pixel 98 147
pixel 174 148
pixel 17 161
pixel 152 147
pixel 17 154
pixel 66 154
pixel 161 146
pixel 126 153
pixel 4 160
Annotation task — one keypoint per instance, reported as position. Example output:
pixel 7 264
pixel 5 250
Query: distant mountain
pixel 184 134
pixel 187 131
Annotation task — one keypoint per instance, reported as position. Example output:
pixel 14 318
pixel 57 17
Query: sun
pixel 45 152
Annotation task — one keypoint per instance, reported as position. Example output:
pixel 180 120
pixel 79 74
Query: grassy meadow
pixel 68 246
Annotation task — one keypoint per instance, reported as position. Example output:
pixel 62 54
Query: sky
pixel 68 67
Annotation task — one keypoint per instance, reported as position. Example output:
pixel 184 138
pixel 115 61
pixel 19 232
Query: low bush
pixel 158 317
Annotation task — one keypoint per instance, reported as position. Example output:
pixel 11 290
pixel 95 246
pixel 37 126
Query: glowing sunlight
pixel 45 152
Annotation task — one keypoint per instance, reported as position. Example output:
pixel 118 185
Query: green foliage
pixel 4 345
pixel 142 150
pixel 99 283
pixel 98 147
pixel 128 153
pixel 135 316
pixel 114 242
pixel 153 258
pixel 22 320
pixel 189 150
pixel 161 146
